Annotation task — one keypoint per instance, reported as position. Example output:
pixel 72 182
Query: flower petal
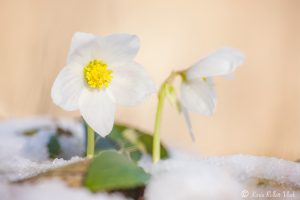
pixel 119 48
pixel 67 87
pixel 188 122
pixel 198 96
pixel 79 40
pixel 224 61
pixel 131 84
pixel 84 47
pixel 98 110
pixel 115 49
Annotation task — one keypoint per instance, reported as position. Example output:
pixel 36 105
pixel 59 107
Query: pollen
pixel 97 75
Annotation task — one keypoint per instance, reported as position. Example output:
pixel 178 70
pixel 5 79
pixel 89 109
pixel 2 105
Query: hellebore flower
pixel 100 72
pixel 197 88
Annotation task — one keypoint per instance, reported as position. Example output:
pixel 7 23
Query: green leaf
pixel 129 141
pixel 113 171
pixel 54 148
pixel 147 141
pixel 143 142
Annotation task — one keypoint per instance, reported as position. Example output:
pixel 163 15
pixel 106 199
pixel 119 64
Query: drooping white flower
pixel 100 72
pixel 197 88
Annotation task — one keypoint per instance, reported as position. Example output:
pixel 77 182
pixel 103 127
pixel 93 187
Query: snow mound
pixel 186 183
pixel 17 168
pixel 242 167
pixel 191 177
pixel 245 167
pixel 49 190
pixel 34 147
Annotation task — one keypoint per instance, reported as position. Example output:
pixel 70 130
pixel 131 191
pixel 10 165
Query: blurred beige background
pixel 258 112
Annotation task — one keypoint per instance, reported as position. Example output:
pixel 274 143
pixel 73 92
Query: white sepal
pixel 131 84
pixel 98 110
pixel 120 48
pixel 79 40
pixel 187 119
pixel 222 62
pixel 67 87
pixel 198 96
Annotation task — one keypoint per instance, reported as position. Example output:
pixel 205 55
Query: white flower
pixel 197 89
pixel 100 72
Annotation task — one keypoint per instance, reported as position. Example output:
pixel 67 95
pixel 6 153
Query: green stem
pixel 158 117
pixel 90 142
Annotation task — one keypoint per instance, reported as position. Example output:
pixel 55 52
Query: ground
pixel 25 165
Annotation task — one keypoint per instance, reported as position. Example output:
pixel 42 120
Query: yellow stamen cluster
pixel 97 74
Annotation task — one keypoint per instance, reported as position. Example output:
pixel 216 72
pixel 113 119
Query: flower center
pixel 97 74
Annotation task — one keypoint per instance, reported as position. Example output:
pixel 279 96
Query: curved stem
pixel 90 142
pixel 158 117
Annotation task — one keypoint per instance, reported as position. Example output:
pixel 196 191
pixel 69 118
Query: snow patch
pixel 186 183
pixel 182 177
pixel 49 190
pixel 17 168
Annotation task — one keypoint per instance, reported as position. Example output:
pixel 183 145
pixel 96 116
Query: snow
pixel 49 190
pixel 35 148
pixel 17 168
pixel 245 167
pixel 182 177
pixel 192 177
pixel 23 156
pixel 241 167
pixel 186 183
